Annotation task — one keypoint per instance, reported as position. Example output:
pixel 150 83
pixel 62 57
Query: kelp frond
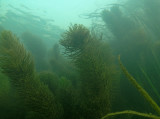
pixel 143 92
pixel 140 89
pixel 132 113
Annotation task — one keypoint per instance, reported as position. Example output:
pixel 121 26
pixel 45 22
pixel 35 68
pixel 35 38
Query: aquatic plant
pixel 18 65
pixel 63 91
pixel 143 92
pixel 66 95
pixel 74 39
pixel 50 79
pixel 94 62
pixel 146 13
pixel 118 23
pixel 11 106
pixel 134 42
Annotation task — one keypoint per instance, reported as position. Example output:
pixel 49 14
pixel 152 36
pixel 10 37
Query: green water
pixel 59 59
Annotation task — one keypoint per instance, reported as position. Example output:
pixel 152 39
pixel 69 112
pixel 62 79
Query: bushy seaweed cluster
pixel 41 83
pixel 54 95
pixel 18 65
pixel 95 65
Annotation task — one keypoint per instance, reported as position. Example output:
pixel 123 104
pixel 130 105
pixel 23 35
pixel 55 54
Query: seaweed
pixel 18 65
pixel 135 34
pixel 143 92
pixel 74 39
pixel 95 63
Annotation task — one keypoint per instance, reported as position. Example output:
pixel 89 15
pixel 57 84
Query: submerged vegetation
pixel 48 95
pixel 96 69
pixel 143 92
pixel 79 77
pixel 18 65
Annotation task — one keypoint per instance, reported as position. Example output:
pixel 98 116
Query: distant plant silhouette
pixel 38 49
pixel 134 26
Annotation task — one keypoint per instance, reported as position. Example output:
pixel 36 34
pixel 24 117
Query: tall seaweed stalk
pixel 18 65
pixel 143 92
pixel 94 62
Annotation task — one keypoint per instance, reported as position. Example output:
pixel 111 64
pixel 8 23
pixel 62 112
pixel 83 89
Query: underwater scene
pixel 80 59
